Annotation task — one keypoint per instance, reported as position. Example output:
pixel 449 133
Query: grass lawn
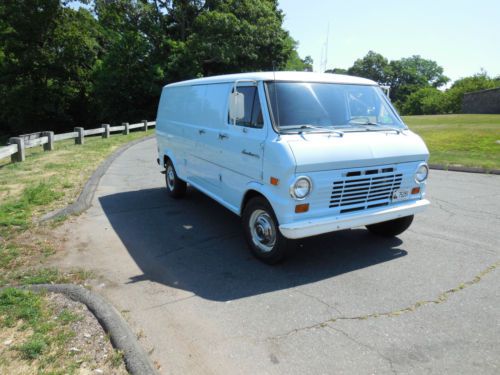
pixel 467 140
pixel 44 182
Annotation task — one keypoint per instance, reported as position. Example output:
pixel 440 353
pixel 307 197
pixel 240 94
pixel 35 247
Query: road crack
pixel 441 298
pixel 318 300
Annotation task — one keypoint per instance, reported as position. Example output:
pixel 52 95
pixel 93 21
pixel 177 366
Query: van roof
pixel 279 76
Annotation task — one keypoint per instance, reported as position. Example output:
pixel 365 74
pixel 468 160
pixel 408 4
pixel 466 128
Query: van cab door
pixel 242 144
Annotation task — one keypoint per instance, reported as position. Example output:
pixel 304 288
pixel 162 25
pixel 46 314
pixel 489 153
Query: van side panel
pixel 171 138
pixel 206 131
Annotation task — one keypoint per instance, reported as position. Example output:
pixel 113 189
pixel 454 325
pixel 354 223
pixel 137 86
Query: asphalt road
pixel 344 303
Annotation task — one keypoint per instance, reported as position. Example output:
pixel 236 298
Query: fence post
pixel 126 130
pixel 80 139
pixel 20 155
pixel 145 122
pixel 106 131
pixel 49 146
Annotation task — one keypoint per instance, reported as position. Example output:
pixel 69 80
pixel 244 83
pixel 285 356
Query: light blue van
pixel 294 154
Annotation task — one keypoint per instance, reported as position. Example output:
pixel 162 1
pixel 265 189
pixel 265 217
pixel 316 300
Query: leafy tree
pixel 49 52
pixel 373 66
pixel 408 75
pixel 128 80
pixel 236 36
pixel 295 63
pixel 404 76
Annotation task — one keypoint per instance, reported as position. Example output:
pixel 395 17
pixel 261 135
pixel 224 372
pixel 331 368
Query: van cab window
pixel 349 107
pixel 253 112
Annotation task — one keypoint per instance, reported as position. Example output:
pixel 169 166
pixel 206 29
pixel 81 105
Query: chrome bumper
pixel 313 227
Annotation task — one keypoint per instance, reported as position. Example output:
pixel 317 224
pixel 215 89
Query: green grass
pixel 40 333
pixel 464 140
pixel 44 182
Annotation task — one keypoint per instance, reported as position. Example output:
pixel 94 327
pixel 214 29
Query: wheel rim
pixel 170 177
pixel 263 230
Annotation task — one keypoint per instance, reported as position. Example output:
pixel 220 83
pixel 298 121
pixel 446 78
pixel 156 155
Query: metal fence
pixel 17 146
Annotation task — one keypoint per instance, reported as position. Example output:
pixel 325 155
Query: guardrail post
pixel 80 139
pixel 49 146
pixel 126 130
pixel 20 155
pixel 106 130
pixel 145 128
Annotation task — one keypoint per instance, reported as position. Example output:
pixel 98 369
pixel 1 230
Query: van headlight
pixel 422 173
pixel 301 187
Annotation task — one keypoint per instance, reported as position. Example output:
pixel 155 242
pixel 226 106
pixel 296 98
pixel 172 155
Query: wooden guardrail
pixel 17 146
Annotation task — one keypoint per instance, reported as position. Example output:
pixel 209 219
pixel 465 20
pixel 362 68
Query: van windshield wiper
pixel 301 128
pixel 381 127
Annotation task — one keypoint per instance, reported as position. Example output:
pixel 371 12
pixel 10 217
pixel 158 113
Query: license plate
pixel 400 195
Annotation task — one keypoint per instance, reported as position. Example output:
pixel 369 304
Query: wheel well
pixel 165 160
pixel 249 195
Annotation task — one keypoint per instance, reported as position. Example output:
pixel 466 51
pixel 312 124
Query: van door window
pixel 253 112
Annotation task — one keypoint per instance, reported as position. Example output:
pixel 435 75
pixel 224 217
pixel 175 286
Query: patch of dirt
pixel 90 346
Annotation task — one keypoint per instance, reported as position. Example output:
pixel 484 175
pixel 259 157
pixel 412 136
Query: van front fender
pixel 280 203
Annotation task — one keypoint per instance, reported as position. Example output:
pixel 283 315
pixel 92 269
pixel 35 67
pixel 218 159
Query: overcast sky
pixel 461 36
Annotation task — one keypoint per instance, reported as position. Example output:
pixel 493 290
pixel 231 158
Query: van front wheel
pixel 262 232
pixel 175 186
pixel 391 228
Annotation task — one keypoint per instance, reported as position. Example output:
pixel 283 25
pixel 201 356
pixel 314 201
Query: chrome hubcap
pixel 263 230
pixel 170 177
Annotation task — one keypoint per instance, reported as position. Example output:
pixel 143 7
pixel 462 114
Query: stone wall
pixel 484 101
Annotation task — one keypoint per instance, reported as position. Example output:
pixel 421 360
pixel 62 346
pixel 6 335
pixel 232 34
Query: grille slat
pixel 373 189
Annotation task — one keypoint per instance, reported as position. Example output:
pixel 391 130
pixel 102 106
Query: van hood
pixel 320 152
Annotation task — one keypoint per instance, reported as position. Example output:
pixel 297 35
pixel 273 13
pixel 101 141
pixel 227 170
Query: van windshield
pixel 307 106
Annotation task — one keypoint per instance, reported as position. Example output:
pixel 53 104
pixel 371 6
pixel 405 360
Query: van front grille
pixel 361 190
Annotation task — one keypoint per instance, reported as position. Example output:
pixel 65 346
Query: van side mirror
pixel 236 106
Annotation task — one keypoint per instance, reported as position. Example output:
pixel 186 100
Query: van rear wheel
pixel 391 228
pixel 175 186
pixel 262 233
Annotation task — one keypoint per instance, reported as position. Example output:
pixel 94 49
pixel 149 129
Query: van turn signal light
pixel 274 181
pixel 301 208
pixel 415 190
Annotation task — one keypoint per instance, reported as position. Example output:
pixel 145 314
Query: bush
pixel 426 101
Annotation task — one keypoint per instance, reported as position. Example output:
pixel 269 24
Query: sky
pixel 463 36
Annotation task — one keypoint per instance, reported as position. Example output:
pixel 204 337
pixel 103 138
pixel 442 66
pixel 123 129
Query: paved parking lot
pixel 348 302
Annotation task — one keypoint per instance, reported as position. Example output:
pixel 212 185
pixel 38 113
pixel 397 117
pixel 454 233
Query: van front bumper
pixel 313 227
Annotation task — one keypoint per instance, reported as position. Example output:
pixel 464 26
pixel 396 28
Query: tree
pixel 237 36
pixel 295 63
pixel 408 75
pixel 129 77
pixel 48 53
pixel 404 76
pixel 373 66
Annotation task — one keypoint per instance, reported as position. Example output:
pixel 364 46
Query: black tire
pixel 259 212
pixel 175 186
pixel 391 228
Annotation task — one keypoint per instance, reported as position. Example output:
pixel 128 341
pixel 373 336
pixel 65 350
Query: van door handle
pixel 245 152
pixel 201 131
pixel 223 136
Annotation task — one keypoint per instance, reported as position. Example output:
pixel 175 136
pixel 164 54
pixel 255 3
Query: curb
pixel 136 359
pixel 457 168
pixel 84 200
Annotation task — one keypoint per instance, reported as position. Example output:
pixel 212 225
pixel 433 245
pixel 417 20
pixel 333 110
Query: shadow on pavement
pixel 197 245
